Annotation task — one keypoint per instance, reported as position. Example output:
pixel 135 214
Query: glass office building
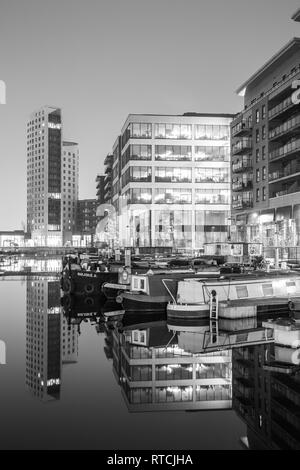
pixel 169 180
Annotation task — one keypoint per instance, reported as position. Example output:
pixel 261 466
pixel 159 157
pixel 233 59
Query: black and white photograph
pixel 149 228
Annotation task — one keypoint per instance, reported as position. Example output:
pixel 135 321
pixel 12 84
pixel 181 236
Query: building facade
pixel 265 168
pixel 52 179
pixel 86 221
pixel 100 189
pixel 70 189
pixel 170 181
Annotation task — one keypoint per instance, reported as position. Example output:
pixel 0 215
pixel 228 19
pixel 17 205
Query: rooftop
pixel 292 46
pixel 187 114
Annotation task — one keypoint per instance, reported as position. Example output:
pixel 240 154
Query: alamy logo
pixel 296 94
pixel 2 92
pixel 2 353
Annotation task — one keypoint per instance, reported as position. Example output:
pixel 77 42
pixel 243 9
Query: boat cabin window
pixel 241 292
pixel 139 337
pixel 290 286
pixel 242 337
pixel 267 289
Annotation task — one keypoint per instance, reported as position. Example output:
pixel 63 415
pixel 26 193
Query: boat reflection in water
pixel 50 341
pixel 174 365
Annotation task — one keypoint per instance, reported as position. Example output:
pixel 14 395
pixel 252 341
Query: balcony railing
pixel 242 204
pixel 242 166
pixel 289 126
pixel 242 185
pixel 283 174
pixel 289 148
pixel 171 179
pixel 281 107
pixel 242 146
pixel 284 192
pixel 242 128
pixel 140 179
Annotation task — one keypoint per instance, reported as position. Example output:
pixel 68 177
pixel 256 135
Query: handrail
pixel 171 295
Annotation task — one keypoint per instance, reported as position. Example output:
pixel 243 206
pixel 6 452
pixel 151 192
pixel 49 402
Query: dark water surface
pixel 85 407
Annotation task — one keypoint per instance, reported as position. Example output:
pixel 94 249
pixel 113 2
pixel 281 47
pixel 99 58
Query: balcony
pixel 242 204
pixel 289 149
pixel 281 108
pixel 284 191
pixel 108 169
pixel 108 159
pixel 288 128
pixel 243 128
pixel 276 175
pixel 243 146
pixel 107 195
pixel 107 185
pixel 242 166
pixel 242 185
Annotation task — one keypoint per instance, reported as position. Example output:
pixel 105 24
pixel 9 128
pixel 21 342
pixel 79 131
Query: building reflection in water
pixel 50 341
pixel 155 374
pixel 267 397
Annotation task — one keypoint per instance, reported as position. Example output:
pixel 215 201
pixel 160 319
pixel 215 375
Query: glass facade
pixel 173 131
pixel 212 196
pixel 173 196
pixel 211 227
pixel 173 153
pixel 211 132
pixel 213 175
pixel 173 175
pixel 173 228
pixel 183 172
pixel 212 154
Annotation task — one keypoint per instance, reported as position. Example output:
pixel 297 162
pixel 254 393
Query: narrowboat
pixel 115 290
pixel 152 291
pixel 259 292
pixel 79 280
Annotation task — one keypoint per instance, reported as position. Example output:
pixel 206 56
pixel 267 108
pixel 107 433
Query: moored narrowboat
pixel 245 295
pixel 152 291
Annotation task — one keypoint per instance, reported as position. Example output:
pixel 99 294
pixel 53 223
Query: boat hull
pixel 187 311
pixel 85 283
pixel 144 303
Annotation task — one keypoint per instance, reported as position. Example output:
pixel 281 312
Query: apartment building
pixel 265 171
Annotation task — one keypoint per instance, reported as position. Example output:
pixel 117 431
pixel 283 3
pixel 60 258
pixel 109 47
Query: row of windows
pixel 175 175
pixel 177 196
pixel 176 131
pixel 175 153
pixel 179 394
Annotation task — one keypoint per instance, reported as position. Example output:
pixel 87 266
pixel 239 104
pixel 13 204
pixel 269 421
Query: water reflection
pixel 267 400
pixel 16 264
pixel 50 341
pixel 156 374
pixel 162 366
